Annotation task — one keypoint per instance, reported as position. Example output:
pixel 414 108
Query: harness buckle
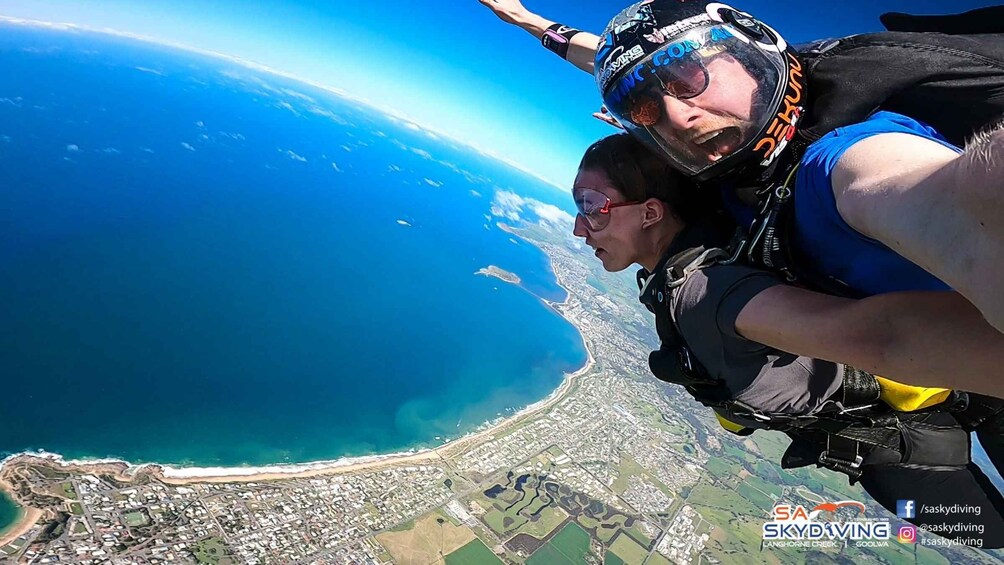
pixel 826 461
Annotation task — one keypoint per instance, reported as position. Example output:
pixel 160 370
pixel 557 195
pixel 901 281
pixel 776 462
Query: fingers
pixel 607 119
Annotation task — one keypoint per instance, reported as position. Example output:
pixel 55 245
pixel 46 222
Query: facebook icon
pixel 906 509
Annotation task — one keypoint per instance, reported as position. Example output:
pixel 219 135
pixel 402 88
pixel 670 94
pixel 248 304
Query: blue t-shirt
pixel 834 248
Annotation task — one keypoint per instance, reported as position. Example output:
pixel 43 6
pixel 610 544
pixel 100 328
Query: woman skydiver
pixel 758 361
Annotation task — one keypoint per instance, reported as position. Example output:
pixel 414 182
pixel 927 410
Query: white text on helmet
pixel 622 60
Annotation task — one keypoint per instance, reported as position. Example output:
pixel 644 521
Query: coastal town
pixel 613 467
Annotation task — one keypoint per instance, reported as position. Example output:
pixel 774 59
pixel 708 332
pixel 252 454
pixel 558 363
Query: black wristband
pixel 557 38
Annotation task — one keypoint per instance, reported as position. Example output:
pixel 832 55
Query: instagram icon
pixel 907 534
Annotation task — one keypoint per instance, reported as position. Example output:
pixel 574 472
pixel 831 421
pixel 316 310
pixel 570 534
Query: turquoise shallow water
pixel 204 264
pixel 8 512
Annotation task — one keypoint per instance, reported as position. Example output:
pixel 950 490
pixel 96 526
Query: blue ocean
pixel 206 264
pixel 9 512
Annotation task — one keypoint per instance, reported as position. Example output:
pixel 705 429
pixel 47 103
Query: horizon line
pixel 259 67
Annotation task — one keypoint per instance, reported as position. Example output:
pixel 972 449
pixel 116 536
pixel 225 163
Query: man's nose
pixel 681 114
pixel 579 228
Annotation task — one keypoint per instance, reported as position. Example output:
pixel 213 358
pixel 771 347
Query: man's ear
pixel 654 210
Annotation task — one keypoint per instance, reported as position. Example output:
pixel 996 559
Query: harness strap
pixel 843 455
pixel 860 388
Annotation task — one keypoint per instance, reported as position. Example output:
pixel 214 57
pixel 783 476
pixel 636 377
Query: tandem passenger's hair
pixel 639 174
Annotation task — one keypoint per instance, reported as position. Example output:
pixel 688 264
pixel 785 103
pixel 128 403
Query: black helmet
pixel 659 56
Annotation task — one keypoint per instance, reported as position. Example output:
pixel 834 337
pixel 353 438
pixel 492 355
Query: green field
pixel 68 491
pixel 494 519
pixel 765 485
pixel 474 553
pixel 771 444
pixel 603 534
pixel 548 519
pixel 724 469
pixel 639 536
pixel 627 469
pixel 628 550
pixel 76 508
pixel 133 519
pixel 707 495
pixel 570 546
pixel 611 559
pixel 756 497
pixel 211 550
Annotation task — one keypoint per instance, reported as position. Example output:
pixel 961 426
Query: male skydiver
pixel 727 101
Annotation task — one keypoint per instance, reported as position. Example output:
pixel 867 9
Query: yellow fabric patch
pixel 907 398
pixel 729 425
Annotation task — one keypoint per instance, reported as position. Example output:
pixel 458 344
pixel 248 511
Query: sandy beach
pixel 28 519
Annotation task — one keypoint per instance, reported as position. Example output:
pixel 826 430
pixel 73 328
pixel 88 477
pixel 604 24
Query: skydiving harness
pixel 839 436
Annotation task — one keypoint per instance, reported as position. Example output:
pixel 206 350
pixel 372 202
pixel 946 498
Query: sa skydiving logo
pixel 785 512
pixel 795 523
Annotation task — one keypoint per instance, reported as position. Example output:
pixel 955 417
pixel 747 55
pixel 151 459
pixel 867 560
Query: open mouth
pixel 720 143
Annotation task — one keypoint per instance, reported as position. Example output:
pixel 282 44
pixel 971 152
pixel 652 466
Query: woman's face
pixel 616 244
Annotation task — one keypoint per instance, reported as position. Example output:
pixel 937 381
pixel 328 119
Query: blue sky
pixel 447 64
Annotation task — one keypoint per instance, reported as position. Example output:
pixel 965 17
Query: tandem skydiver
pixel 728 103
pixel 830 67
pixel 634 209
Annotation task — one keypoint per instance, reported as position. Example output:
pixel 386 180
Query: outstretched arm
pixel 582 46
pixel 933 339
pixel 939 209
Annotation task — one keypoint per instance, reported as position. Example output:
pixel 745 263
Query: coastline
pixel 25 521
pixel 125 471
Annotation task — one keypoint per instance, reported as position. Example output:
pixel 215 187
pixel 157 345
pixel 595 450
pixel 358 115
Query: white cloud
pixel 421 153
pixel 187 146
pixel 296 94
pixel 110 151
pixel 73 148
pixel 335 167
pixel 514 207
pixel 287 106
pixel 149 70
pixel 431 182
pixel 475 194
pixel 549 213
pixel 292 155
pixel 508 205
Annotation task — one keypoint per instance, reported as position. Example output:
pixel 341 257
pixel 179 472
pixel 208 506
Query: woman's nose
pixel 579 227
